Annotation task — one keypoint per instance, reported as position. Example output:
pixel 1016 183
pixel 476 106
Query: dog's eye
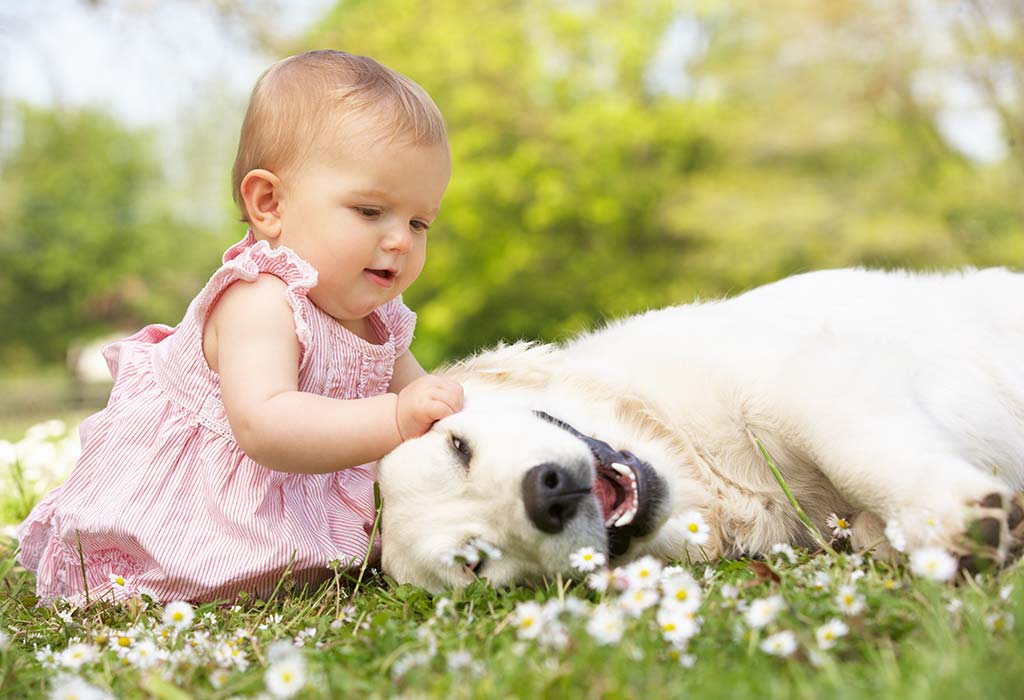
pixel 460 446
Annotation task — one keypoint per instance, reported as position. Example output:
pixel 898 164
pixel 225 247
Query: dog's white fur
pixel 880 396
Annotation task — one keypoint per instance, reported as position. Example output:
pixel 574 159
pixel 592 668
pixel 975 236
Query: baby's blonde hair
pixel 307 99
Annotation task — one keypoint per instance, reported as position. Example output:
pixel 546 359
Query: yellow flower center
pixel 178 616
pixel 841 523
pixel 286 677
pixel 669 627
pixel 124 641
pixel 681 594
pixel 527 622
pixel 692 527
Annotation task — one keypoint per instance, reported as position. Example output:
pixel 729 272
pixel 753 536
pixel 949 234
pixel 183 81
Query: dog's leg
pixel 898 467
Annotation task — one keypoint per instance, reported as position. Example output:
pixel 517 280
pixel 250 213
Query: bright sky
pixel 147 59
pixel 143 59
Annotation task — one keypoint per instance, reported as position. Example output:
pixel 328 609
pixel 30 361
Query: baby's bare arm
pixel 257 356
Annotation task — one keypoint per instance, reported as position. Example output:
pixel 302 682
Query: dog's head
pixel 507 494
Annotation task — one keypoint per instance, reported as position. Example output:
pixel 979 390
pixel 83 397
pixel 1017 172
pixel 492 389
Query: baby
pixel 236 445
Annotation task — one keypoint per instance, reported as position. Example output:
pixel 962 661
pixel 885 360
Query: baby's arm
pixel 257 357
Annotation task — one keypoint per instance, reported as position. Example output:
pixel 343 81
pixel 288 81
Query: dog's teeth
pixel 622 469
pixel 626 518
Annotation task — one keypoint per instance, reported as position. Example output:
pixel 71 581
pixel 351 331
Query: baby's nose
pixel 398 239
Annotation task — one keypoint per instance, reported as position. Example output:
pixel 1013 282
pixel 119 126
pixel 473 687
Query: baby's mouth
pixel 383 274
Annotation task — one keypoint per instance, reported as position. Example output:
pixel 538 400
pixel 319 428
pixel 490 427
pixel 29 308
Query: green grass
pixel 906 644
pixel 374 639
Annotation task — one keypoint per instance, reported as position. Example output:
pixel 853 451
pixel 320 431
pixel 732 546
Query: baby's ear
pixel 261 192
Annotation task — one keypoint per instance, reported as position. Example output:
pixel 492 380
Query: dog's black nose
pixel 551 495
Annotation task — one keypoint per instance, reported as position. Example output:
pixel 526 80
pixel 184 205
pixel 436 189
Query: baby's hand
pixel 424 401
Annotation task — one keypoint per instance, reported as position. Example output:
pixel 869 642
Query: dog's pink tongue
pixel 605 492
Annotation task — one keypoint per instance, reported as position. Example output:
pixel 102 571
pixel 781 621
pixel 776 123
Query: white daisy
pixel 600 580
pixel 117 580
pixel 218 677
pixel 762 611
pixel 932 562
pixel 71 687
pixel 178 614
pixel 636 600
pixel 643 573
pixel 285 678
pixel 145 655
pixel 785 550
pixel 821 580
pixel 729 591
pixel 894 533
pixel 830 632
pixel 528 619
pixel 586 559
pixel 677 625
pixel 77 655
pixel 606 624
pixel 850 602
pixel 695 529
pixel 840 526
pixel 681 590
pixel 779 644
pixel 1002 622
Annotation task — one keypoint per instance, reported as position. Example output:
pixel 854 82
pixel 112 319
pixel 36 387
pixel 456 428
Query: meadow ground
pixel 795 625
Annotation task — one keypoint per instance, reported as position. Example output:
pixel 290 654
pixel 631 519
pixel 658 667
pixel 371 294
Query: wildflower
pixel 1005 592
pixel 145 655
pixel 528 619
pixel 762 611
pixel 585 559
pixel 677 626
pixel 827 634
pixel 285 678
pixel 785 550
pixel 1002 622
pixel 4 639
pixel 606 624
pixel 643 573
pixel 228 654
pixel 409 661
pixel 932 562
pixel 894 533
pixel 695 528
pixel 457 660
pixel 47 657
pixel 77 655
pixel 600 580
pixel 850 601
pixel 636 600
pixel 840 526
pixel 117 580
pixel 730 592
pixel 71 687
pixel 821 580
pixel 954 605
pixel 779 644
pixel 178 614
pixel 682 591
pixel 218 677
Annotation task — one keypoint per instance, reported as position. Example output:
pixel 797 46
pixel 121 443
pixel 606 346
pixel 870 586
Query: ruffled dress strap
pixel 245 261
pixel 400 322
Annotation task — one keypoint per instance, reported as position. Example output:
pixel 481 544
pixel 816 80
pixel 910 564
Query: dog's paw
pixel 994 533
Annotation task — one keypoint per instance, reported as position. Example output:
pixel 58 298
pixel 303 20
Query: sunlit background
pixel 608 156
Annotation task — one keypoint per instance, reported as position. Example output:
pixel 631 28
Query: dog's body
pixel 883 397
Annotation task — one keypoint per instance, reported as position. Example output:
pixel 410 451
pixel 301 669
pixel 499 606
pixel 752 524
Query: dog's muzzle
pixel 630 492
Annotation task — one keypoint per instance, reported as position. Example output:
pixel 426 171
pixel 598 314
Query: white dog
pixel 882 397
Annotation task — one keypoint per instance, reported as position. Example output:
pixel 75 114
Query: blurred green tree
pixel 592 179
pixel 84 248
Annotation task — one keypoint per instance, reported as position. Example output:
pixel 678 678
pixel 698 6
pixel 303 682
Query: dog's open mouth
pixel 616 489
pixel 630 492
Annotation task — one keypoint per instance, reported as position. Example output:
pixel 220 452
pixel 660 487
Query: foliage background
pixel 609 156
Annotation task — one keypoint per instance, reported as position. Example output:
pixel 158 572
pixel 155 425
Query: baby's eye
pixel 368 212
pixel 419 226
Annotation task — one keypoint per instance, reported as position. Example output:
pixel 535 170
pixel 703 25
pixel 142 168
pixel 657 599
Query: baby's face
pixel 360 217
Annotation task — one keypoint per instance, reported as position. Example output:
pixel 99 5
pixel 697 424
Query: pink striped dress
pixel 164 497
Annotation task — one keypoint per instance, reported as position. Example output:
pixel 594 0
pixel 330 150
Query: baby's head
pixel 324 100
pixel 344 162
